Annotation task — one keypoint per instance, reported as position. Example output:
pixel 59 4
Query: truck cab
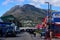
pixel 7 29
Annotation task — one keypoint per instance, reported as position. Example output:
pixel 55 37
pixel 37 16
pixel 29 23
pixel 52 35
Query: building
pixel 11 18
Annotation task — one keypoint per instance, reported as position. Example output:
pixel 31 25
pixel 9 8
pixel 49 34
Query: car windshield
pixel 9 28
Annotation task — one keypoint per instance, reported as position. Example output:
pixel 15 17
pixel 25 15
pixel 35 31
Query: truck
pixel 6 29
pixel 54 25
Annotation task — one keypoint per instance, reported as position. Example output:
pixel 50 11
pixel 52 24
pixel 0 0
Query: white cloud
pixel 36 2
pixel 55 2
pixel 20 0
pixel 6 2
pixel 12 1
pixel 39 2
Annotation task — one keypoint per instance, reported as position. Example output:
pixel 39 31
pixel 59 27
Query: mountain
pixel 27 12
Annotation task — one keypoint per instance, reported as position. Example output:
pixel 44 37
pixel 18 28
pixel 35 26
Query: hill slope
pixel 27 12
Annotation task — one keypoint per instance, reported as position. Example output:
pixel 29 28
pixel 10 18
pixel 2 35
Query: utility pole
pixel 49 14
pixel 50 18
pixel 48 10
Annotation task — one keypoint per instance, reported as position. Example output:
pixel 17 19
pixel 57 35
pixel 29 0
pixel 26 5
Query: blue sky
pixel 6 5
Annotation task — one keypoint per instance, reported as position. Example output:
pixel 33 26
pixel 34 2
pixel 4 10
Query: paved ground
pixel 24 36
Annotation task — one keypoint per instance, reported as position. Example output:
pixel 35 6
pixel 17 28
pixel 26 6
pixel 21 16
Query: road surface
pixel 24 36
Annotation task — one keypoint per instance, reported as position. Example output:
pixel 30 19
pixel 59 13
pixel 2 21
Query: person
pixel 48 35
pixel 51 34
pixel 34 34
pixel 43 32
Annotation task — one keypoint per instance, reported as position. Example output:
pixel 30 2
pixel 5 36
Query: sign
pixel 56 19
pixel 56 16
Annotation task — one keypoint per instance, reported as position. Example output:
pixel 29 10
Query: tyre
pixel 14 34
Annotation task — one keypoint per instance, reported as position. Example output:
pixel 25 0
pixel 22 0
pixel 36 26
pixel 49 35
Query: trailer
pixel 55 24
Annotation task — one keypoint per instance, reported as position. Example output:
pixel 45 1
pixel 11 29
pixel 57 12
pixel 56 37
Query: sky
pixel 6 5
